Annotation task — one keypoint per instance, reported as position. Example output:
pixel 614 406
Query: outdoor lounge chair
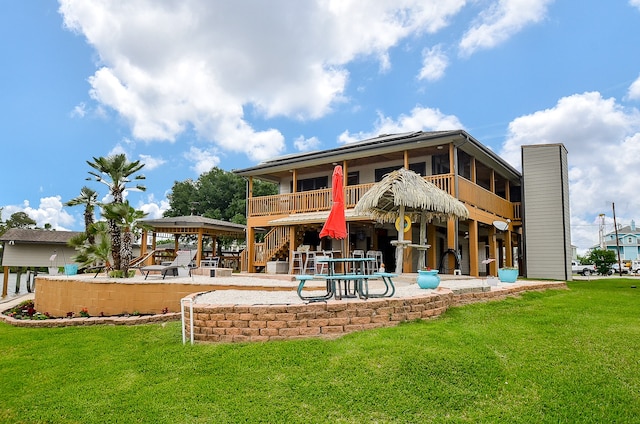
pixel 183 259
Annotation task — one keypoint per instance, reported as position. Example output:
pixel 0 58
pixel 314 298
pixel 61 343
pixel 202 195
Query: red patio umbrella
pixel 336 224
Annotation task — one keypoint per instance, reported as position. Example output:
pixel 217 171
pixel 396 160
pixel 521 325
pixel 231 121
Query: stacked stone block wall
pixel 243 323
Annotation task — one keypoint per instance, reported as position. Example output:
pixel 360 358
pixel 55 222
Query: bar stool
pixel 297 263
pixel 310 263
pixel 357 253
pixel 321 266
pixel 374 266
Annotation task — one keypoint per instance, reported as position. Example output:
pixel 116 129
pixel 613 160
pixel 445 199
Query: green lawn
pixel 558 356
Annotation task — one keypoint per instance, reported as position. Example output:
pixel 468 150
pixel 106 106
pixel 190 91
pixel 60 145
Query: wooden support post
pixel 508 247
pixel 493 252
pixel 431 253
pixel 5 283
pixel 451 242
pixel 474 259
pixel 199 252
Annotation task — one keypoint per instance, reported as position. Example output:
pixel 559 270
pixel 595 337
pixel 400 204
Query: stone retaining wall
pixel 244 323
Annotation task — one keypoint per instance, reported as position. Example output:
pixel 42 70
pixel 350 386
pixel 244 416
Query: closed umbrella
pixel 336 224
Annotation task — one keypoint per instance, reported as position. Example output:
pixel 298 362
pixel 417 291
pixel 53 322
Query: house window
pixel 313 183
pixel 440 164
pixel 464 165
pixel 353 178
pixel 419 168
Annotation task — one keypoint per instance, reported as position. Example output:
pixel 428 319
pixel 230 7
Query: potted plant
pixel 428 278
pixel 508 274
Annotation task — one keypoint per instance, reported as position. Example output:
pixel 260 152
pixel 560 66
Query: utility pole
pixel 601 232
pixel 615 225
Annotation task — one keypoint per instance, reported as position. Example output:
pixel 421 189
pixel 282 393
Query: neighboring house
pixel 628 242
pixel 490 188
pixel 35 248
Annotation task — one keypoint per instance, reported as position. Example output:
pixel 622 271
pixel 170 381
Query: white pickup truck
pixel 586 269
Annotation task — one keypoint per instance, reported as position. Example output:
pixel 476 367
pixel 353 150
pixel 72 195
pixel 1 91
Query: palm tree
pixel 88 198
pixel 127 219
pixel 97 253
pixel 115 172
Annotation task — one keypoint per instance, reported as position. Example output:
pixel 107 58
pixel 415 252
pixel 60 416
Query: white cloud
pixel 603 145
pixel 634 88
pixel 154 209
pixel 420 119
pixel 306 144
pixel 151 162
pixel 117 150
pixel 49 211
pixel 169 66
pixel 501 21
pixel 635 3
pixel 203 160
pixel 434 63
pixel 79 111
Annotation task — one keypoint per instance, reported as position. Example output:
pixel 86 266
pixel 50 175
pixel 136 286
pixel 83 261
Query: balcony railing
pixel 320 200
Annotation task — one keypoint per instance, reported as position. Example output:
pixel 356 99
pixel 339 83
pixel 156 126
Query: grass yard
pixel 561 356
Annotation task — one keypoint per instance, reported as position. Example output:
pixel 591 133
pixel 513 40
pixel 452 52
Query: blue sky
pixel 187 85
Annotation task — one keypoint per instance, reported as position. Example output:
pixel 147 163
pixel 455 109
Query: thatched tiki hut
pixel 404 193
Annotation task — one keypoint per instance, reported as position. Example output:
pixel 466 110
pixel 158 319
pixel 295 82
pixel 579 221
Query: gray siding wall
pixel 36 255
pixel 547 226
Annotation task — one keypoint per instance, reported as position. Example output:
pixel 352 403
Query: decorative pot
pixel 428 279
pixel 53 270
pixel 70 269
pixel 507 275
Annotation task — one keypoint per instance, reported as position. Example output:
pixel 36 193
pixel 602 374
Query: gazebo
pixel 198 226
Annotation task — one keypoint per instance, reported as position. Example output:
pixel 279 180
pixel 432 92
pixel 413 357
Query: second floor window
pixel 353 178
pixel 419 168
pixel 312 184
pixel 440 164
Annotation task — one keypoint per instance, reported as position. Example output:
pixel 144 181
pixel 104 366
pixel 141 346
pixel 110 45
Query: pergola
pixel 190 225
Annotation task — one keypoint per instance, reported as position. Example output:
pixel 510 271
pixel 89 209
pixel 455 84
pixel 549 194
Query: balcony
pixel 320 200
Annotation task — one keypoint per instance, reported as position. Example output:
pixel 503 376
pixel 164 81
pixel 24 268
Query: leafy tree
pixel 20 220
pixel 89 199
pixel 216 194
pixel 116 172
pixel 603 259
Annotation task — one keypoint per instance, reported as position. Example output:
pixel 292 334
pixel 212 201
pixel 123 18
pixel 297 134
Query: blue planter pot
pixel 428 279
pixel 70 269
pixel 508 275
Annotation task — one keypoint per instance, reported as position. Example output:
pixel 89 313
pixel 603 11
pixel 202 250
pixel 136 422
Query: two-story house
pixel 628 242
pixel 453 160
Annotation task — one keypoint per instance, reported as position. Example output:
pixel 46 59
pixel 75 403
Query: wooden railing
pixel 320 200
pixel 304 201
pixel 274 240
pixel 482 198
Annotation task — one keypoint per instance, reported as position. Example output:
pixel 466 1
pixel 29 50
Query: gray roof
pixel 382 144
pixel 195 221
pixel 27 235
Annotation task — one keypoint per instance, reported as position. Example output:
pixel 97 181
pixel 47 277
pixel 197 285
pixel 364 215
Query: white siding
pixel 36 255
pixel 547 228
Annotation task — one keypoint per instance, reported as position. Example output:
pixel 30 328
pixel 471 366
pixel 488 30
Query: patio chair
pixel 183 259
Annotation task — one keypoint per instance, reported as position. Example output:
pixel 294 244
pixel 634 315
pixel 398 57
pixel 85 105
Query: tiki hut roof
pixel 406 188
